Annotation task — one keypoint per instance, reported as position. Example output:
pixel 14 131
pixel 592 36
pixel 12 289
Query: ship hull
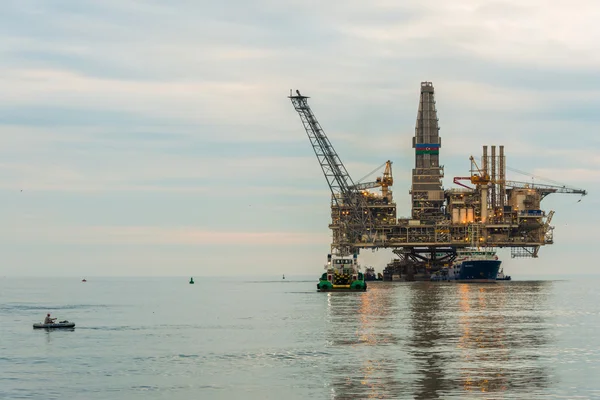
pixel 342 285
pixel 479 271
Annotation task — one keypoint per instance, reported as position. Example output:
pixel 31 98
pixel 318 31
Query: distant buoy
pixel 83 280
pixel 191 281
pixel 283 276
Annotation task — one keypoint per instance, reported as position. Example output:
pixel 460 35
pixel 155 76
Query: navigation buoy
pixel 191 281
pixel 83 280
pixel 283 276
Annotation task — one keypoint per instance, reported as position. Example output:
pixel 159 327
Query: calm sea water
pixel 162 338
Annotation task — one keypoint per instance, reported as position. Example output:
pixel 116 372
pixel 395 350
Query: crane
pixel 355 218
pixel 384 181
pixel 479 178
pixel 482 178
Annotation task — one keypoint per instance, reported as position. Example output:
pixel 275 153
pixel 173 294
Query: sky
pixel 151 138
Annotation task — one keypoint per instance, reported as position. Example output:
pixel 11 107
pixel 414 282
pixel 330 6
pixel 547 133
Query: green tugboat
pixel 342 275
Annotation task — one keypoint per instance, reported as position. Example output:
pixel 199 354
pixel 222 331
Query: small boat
pixel 191 281
pixel 501 276
pixel 370 275
pixel 342 275
pixel 83 280
pixel 55 325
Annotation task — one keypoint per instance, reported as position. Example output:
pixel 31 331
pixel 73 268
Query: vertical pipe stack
pixel 484 161
pixel 484 189
pixel 502 179
pixel 493 202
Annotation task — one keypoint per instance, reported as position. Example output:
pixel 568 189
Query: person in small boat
pixel 49 320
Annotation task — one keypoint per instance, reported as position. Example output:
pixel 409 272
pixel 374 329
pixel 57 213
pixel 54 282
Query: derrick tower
pixel 427 194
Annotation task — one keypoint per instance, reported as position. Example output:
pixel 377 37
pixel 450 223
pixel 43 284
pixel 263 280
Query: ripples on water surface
pixel 218 339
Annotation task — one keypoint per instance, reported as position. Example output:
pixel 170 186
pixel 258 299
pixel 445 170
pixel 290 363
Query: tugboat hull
pixel 341 284
pixel 356 286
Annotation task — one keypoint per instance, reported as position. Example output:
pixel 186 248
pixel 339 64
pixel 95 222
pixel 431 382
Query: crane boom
pixel 384 181
pixel 372 172
pixel 366 185
pixel 353 212
pixel 337 176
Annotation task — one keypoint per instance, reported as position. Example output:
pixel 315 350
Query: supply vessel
pixel 342 275
pixel 471 265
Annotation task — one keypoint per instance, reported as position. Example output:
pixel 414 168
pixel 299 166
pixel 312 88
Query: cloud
pixel 508 32
pixel 131 171
pixel 580 176
pixel 200 101
pixel 148 235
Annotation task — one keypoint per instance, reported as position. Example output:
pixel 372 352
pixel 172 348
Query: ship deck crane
pixel 354 215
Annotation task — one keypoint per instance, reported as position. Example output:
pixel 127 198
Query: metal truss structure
pixel 493 213
pixel 352 223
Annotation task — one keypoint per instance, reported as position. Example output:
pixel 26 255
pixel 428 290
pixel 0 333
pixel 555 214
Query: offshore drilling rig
pixel 491 212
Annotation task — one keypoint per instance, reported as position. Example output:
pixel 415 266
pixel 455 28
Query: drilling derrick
pixel 422 244
pixel 427 192
pixel 351 221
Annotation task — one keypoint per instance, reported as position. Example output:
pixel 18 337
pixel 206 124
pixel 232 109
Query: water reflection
pixel 430 336
pixel 362 333
pixel 502 334
pixel 431 340
pixel 479 337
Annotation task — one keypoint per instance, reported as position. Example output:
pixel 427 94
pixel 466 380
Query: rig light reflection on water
pixel 428 340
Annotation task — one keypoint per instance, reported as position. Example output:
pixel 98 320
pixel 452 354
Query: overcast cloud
pixel 155 138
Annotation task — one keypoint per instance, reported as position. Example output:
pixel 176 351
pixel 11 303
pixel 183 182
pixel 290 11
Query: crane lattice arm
pixel 384 181
pixel 337 177
pixel 366 185
pixel 355 217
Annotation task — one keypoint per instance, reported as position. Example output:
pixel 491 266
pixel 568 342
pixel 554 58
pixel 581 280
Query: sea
pixel 270 338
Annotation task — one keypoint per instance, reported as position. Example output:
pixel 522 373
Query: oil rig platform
pixel 485 211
